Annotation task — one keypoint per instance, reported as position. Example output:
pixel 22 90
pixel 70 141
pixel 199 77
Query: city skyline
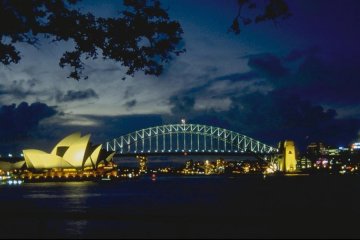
pixel 296 79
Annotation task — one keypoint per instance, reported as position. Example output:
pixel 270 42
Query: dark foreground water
pixel 184 207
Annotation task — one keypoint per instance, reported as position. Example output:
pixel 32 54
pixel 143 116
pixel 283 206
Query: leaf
pixel 235 27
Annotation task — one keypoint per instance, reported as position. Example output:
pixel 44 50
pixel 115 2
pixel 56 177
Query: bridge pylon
pixel 287 156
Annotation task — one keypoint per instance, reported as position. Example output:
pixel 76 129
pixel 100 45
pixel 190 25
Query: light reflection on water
pixel 176 207
pixel 75 228
pixel 66 195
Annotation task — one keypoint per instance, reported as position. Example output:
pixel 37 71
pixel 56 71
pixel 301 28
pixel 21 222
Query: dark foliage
pixel 259 12
pixel 141 38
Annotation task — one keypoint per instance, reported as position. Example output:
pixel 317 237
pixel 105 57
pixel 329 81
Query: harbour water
pixel 184 207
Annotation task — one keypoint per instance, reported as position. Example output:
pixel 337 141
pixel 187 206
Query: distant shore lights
pixel 355 146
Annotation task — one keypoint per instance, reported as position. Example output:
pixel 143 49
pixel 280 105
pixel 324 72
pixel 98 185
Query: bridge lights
pixel 236 140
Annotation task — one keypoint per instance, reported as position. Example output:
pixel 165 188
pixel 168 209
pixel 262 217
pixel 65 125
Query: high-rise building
pixel 304 163
pixel 316 149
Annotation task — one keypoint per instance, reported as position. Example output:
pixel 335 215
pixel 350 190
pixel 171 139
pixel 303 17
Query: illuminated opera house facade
pixel 72 156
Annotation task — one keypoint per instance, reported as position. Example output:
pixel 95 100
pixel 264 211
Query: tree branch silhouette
pixel 270 10
pixel 142 38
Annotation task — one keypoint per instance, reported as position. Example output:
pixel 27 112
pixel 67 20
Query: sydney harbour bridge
pixel 186 138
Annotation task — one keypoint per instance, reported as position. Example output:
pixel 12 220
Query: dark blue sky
pixel 296 79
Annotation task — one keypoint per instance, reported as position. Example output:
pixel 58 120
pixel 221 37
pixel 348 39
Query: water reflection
pixel 75 228
pixel 180 207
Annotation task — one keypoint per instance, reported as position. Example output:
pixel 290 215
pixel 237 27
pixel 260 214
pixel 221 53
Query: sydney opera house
pixel 73 158
pixel 74 152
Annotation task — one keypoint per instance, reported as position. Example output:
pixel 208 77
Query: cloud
pixel 279 115
pixel 268 66
pixel 297 54
pixel 320 78
pixel 76 95
pixel 53 126
pixel 331 82
pixel 274 116
pixel 238 76
pixel 19 122
pixel 278 99
pixel 105 128
pixel 182 105
pixel 130 104
pixel 19 89
pixel 129 92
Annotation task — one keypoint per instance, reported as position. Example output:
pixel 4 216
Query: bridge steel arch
pixel 174 138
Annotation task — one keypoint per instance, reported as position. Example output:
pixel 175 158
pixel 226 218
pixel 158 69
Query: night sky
pixel 297 79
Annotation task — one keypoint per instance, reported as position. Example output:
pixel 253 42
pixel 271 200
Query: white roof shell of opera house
pixel 74 151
